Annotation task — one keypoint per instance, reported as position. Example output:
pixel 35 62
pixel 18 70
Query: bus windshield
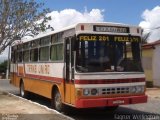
pixel 108 53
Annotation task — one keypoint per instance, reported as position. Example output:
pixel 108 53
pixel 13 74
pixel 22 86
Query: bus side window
pixel 56 52
pixel 34 54
pixel 26 56
pixel 60 52
pixel 13 57
pixel 20 57
pixel 44 53
pixel 53 53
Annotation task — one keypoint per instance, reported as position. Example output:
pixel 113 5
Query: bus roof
pixel 74 26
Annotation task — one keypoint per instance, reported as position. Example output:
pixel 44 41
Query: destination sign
pixel 114 29
pixel 109 38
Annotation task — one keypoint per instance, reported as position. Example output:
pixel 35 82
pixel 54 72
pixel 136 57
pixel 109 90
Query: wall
pixel 156 66
pixel 147 55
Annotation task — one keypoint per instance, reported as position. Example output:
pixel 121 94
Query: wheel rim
pixel 22 90
pixel 58 101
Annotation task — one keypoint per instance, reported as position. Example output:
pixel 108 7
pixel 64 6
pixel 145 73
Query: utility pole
pixel 8 62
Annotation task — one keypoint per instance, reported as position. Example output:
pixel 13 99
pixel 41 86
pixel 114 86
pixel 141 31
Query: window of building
pixel 44 53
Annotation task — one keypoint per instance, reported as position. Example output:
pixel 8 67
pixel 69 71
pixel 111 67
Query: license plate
pixel 118 102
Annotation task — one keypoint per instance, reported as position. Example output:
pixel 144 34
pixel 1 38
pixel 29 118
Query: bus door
pixel 69 72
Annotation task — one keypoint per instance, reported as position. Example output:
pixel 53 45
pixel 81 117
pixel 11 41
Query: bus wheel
pixel 23 93
pixel 57 102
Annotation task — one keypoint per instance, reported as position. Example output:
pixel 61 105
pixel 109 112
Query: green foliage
pixel 19 18
pixel 3 67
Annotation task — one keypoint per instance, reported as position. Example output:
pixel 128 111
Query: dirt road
pixel 23 109
pixel 15 108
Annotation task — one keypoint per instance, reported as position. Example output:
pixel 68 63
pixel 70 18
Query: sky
pixel 144 13
pixel 123 11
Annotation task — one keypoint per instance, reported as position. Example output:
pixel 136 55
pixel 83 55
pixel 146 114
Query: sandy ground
pixel 153 92
pixel 16 108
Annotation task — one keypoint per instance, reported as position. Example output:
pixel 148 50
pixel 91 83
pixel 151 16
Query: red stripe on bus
pixel 110 81
pixel 47 78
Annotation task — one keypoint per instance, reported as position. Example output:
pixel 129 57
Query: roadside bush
pixel 3 67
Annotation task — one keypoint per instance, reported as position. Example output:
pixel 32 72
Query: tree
pixel 19 18
pixel 3 66
pixel 145 37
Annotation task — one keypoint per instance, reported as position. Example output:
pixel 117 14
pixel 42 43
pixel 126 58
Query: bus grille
pixel 118 90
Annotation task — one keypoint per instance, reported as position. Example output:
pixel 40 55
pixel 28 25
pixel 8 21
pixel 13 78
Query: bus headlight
pixel 139 89
pixel 86 91
pixel 133 89
pixel 90 91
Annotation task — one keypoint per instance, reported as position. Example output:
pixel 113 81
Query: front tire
pixel 57 102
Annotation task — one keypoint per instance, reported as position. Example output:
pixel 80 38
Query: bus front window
pixel 108 56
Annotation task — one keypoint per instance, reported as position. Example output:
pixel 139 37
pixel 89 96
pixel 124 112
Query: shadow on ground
pixel 122 113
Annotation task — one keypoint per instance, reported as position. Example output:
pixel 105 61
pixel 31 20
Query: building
pixel 151 63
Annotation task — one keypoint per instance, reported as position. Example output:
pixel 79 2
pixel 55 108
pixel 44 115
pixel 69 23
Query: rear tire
pixel 23 92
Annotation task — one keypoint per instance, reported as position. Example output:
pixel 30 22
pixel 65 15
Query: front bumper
pixel 102 102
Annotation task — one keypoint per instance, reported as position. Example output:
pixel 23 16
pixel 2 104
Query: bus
pixel 86 65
